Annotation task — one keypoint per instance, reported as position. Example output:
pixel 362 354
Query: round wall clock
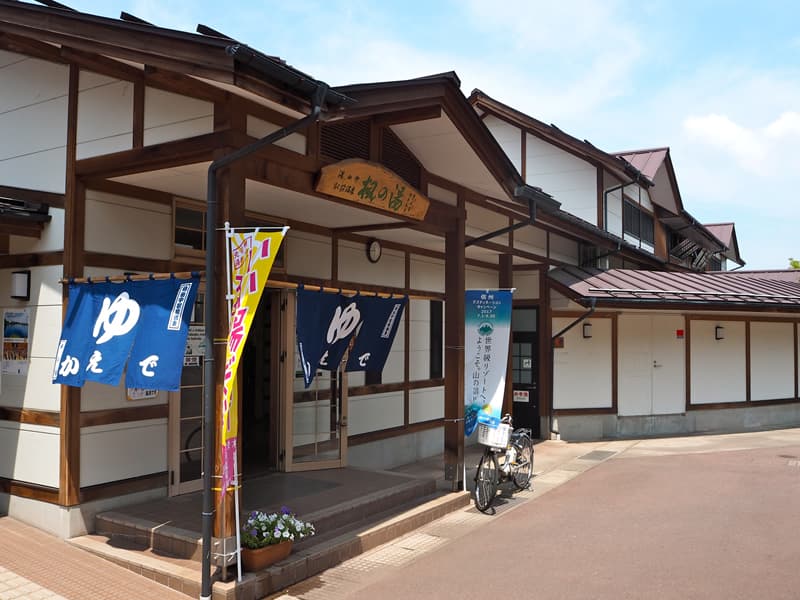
pixel 374 250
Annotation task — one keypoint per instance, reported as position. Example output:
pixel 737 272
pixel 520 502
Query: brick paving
pixel 35 565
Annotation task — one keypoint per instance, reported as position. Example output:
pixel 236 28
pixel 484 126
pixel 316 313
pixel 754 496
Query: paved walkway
pixel 35 566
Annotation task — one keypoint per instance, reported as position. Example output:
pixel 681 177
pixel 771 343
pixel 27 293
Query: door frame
pixel 288 346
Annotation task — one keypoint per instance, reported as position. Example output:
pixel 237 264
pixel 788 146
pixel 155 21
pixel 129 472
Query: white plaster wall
pixel 564 249
pixel 52 239
pixel 509 137
pixel 33 113
pixel 375 412
pixel 354 266
pixel 481 221
pixel 34 390
pixel 582 368
pixel 479 279
pixel 771 361
pixel 169 116
pixel 567 178
pixel 307 255
pixel 123 450
pixel 419 343
pixel 442 195
pixel 97 396
pixel 260 128
pixel 128 226
pixel 527 284
pixel 614 212
pixel 427 273
pixel 717 366
pixel 426 404
pixel 105 115
pixel 531 239
pixel 29 453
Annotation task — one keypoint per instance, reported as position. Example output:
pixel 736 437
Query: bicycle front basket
pixel 496 438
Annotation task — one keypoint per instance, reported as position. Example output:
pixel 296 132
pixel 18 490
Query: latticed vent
pixel 397 157
pixel 347 139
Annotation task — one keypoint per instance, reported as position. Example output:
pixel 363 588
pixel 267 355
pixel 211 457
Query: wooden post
pixel 454 354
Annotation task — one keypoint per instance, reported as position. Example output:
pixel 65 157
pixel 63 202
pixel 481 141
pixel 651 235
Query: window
pixel 637 223
pixel 436 339
pixel 190 229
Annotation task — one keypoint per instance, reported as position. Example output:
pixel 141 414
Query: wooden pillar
pixel 231 200
pixel 454 354
pixel 69 486
pixel 506 281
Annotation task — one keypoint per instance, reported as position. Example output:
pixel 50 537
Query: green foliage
pixel 794 263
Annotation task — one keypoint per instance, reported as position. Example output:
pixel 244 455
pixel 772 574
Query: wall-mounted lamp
pixel 587 330
pixel 21 285
pixel 719 332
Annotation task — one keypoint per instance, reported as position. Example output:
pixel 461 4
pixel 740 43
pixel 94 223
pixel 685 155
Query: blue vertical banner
pixel 380 319
pixel 141 325
pixel 487 331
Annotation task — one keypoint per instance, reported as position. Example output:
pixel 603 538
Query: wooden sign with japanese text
pixel 371 184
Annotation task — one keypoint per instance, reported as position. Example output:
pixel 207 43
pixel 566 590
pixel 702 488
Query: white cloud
pixel 725 135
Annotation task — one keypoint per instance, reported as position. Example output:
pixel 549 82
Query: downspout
pixel 209 418
pixel 583 317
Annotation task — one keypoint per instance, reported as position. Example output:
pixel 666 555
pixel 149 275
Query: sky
pixel 718 82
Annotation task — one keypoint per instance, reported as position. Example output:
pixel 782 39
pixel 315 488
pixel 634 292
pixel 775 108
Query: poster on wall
pixel 16 342
pixel 487 315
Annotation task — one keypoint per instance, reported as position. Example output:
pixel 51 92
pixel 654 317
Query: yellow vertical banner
pixel 252 254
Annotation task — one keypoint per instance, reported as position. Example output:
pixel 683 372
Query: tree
pixel 794 263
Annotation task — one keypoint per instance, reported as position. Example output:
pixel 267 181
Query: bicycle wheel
pixel 523 467
pixel 486 481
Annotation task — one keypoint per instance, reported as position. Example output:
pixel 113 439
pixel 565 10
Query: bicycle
pixel 516 447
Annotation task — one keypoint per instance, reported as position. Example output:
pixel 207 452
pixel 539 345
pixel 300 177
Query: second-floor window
pixel 637 223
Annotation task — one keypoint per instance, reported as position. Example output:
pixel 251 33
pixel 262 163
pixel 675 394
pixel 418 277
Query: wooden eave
pixel 426 93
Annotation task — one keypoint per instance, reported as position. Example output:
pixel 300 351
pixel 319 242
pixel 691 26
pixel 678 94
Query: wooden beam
pixel 129 191
pixel 124 486
pixel 28 195
pixel 10 226
pixel 48 418
pixel 32 491
pixel 411 115
pixel 28 47
pixel 183 84
pixel 191 150
pixel 124 415
pixel 101 64
pixel 19 261
pixel 139 265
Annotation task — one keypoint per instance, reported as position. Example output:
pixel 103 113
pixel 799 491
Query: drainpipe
pixel 583 317
pixel 209 388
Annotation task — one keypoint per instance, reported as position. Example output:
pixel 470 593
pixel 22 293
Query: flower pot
pixel 261 558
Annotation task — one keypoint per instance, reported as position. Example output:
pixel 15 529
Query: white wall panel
pixel 427 273
pixel 169 116
pixel 582 368
pixel 481 221
pixel 509 137
pixel 614 212
pixel 718 368
pixel 480 279
pixel 564 249
pixel 771 361
pixel 34 391
pixel 52 237
pixel 419 339
pixel 442 195
pixel 531 239
pixel 97 396
pixel 105 115
pixel 308 255
pixel 259 128
pixel 426 404
pixel 527 284
pixel 33 113
pixel 128 226
pixel 29 453
pixel 354 266
pixel 122 451
pixel 567 178
pixel 375 412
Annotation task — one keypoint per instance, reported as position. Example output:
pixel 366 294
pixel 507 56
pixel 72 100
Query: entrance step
pixel 340 539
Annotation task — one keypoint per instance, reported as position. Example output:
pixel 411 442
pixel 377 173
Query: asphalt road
pixel 684 519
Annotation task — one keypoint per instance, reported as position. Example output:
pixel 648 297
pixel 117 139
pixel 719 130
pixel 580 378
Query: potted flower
pixel 267 537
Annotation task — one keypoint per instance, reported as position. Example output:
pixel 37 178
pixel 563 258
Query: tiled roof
pixel 723 289
pixel 646 161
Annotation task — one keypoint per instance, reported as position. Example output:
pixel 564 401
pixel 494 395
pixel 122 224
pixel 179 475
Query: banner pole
pixel 236 515
pixel 228 296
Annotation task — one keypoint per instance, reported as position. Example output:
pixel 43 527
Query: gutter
pixel 320 93
pixel 522 192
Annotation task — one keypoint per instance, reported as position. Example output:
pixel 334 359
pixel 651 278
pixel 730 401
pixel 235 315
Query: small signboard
pixel 371 184
pixel 527 363
pixel 522 396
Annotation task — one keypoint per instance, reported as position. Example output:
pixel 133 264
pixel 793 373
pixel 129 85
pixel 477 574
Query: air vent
pixel 397 157
pixel 347 139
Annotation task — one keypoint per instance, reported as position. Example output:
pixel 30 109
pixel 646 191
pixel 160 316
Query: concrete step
pixel 137 533
pixel 308 558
